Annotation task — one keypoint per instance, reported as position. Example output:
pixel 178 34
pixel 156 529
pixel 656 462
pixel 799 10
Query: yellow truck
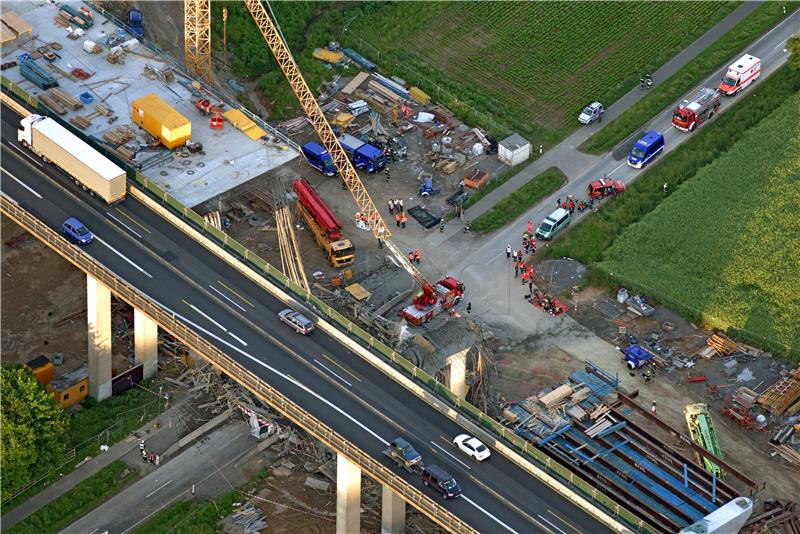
pixel 324 225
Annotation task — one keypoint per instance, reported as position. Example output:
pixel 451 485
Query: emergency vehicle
pixel 742 73
pixel 691 113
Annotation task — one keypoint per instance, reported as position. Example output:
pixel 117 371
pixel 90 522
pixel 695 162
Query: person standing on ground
pixel 530 227
pixel 399 202
pixel 397 219
pixel 653 408
pixel 508 251
pixel 417 256
pixel 441 226
pixel 469 307
pixel 403 219
pixel 391 206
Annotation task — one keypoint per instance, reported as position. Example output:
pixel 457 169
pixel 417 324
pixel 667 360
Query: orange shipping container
pixel 70 388
pixel 42 369
pixel 159 119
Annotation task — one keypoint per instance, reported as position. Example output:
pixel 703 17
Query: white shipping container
pixel 89 168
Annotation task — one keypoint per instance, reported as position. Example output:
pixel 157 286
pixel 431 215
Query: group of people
pixel 148 456
pixel 414 255
pixel 395 204
pixel 547 303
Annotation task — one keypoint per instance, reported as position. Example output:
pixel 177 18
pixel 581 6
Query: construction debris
pixel 782 394
pixel 776 514
pixel 250 518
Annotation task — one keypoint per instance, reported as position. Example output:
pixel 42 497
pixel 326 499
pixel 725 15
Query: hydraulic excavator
pixel 433 298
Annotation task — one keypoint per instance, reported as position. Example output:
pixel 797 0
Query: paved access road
pixel 336 386
pixel 581 168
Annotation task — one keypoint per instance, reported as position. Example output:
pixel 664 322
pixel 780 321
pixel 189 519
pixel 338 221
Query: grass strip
pixel 76 502
pixel 188 516
pixel 494 183
pixel 767 16
pixel 519 201
pixel 592 236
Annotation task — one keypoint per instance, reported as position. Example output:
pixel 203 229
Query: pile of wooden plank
pixel 384 92
pixel 81 122
pixel 64 99
pixel 554 397
pixel 721 344
pixel 355 83
pixel 782 394
pixel 52 103
pixel 119 135
pixel 745 397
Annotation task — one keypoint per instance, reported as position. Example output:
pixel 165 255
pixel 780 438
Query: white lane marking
pixel 23 184
pixel 237 338
pixel 131 230
pixel 488 514
pixel 278 373
pixel 450 455
pixel 615 170
pixel 551 524
pixel 226 297
pixel 204 314
pixel 26 154
pixel 121 255
pixel 780 44
pixel 162 486
pixel 331 371
pixel 787 19
pixel 201 312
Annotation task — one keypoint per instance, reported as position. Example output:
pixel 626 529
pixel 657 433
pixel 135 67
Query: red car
pixel 604 187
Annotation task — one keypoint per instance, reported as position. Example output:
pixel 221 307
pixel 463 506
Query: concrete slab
pixel 229 157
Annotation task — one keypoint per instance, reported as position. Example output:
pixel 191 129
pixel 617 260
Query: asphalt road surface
pixel 338 387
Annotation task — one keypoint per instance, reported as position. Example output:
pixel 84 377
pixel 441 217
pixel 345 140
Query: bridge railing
pixel 527 449
pixel 224 363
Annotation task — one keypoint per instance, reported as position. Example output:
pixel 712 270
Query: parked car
pixel 645 149
pixel 554 223
pixel 75 230
pixel 442 481
pixel 296 320
pixel 472 446
pixel 403 453
pixel 591 113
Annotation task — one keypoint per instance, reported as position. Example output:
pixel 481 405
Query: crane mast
pixel 347 171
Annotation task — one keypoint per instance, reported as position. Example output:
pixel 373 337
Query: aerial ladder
pixel 347 171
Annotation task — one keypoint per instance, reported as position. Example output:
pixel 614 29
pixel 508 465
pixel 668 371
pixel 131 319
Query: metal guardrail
pixel 258 264
pixel 223 362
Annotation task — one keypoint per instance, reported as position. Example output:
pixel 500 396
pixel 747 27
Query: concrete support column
pixel 457 373
pixel 393 512
pixel 348 496
pixel 98 321
pixel 145 343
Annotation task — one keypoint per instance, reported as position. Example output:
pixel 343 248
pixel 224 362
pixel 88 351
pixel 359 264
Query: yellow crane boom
pixel 328 138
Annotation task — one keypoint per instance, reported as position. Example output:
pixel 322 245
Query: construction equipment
pixel 433 300
pixel 319 158
pixel 197 37
pixel 135 22
pixel 701 429
pixel 347 171
pixel 324 225
pixel 692 113
pixel 217 122
pixel 637 356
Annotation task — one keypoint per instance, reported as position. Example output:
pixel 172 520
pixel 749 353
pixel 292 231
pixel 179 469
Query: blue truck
pixel 363 155
pixel 319 158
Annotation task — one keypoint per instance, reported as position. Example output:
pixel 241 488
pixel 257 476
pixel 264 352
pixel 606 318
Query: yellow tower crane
pixel 198 56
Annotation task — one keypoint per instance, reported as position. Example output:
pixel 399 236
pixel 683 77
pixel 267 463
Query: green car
pixel 554 222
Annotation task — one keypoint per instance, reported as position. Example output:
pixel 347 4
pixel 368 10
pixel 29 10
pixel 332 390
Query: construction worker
pixel 516 269
pixel 441 226
pixel 653 408
pixel 411 256
pixel 364 218
pixel 417 256
pixel 403 219
pixel 358 216
pixel 399 202
pixel 141 444
pixel 391 206
pixel 525 277
pixel 530 227
pixel 397 219
pixel 508 251
pixel 469 307
pixel 388 175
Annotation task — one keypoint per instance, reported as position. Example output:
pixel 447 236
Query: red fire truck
pixel 433 300
pixel 692 113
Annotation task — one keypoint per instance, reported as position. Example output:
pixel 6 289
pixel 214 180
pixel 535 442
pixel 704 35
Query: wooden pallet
pixel 52 103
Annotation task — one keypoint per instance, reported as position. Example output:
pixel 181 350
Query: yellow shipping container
pixel 159 119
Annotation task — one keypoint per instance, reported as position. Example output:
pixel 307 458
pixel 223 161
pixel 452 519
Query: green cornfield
pixel 725 247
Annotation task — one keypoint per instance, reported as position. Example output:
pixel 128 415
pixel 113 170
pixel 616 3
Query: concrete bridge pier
pixel 456 373
pixel 393 512
pixel 98 322
pixel 348 496
pixel 145 343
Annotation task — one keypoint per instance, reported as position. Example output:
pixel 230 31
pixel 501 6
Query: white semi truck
pixel 86 166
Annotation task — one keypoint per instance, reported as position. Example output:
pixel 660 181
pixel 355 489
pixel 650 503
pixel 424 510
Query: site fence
pixel 527 449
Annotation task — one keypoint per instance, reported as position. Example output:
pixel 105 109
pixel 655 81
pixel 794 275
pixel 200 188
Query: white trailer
pixel 88 168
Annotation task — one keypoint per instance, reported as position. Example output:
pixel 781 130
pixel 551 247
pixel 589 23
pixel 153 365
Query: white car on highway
pixel 472 446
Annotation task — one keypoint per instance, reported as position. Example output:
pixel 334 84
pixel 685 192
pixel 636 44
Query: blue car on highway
pixel 75 230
